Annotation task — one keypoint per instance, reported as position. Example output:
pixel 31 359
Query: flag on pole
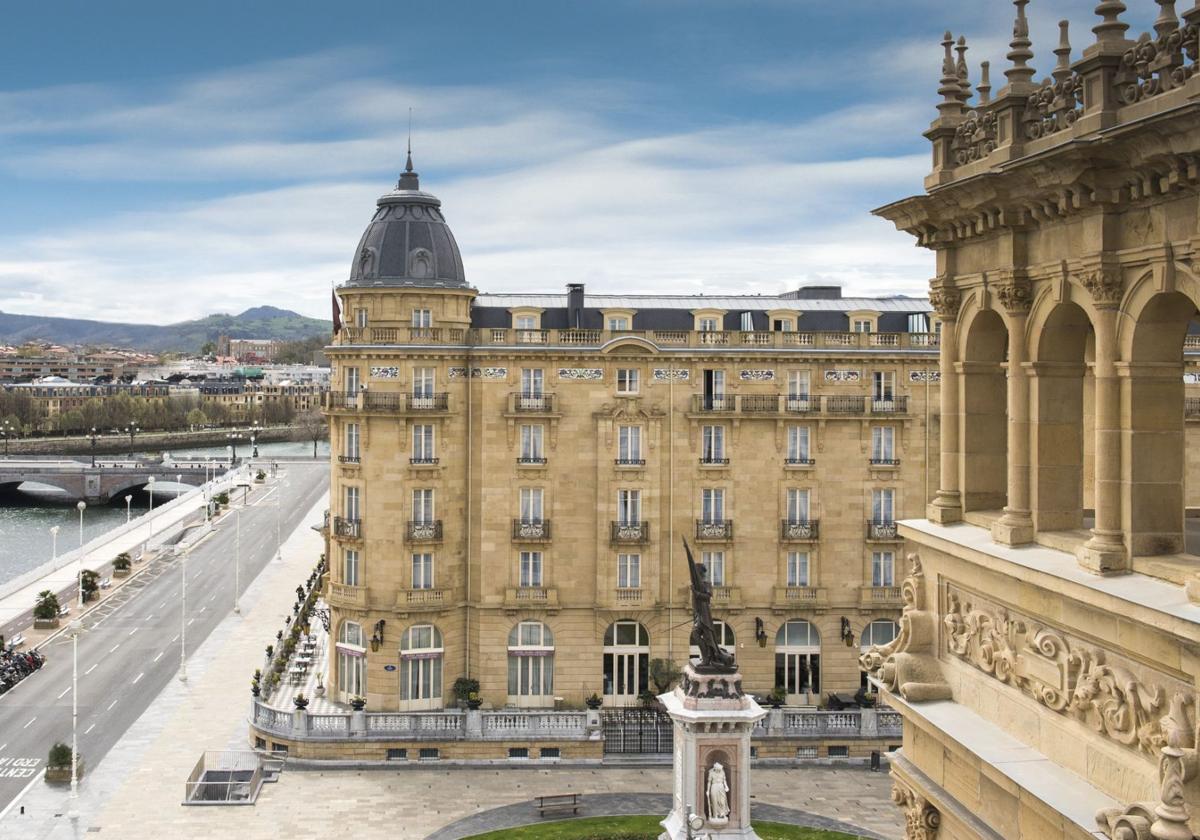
pixel 337 313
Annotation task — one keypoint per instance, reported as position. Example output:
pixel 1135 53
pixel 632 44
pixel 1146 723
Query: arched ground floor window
pixel 531 665
pixel 798 662
pixel 421 654
pixel 626 663
pixel 351 661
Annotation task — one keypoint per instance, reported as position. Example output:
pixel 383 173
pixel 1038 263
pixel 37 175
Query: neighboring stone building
pixel 513 475
pixel 1049 654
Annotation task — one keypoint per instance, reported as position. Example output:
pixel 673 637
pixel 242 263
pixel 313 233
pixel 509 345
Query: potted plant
pixel 473 701
pixel 45 611
pixel 122 563
pixel 90 581
pixel 255 688
pixel 58 764
pixel 358 703
pixel 777 697
pixel 270 651
pixel 595 701
pixel 300 701
pixel 647 699
pixel 260 477
pixel 320 685
pixel 464 687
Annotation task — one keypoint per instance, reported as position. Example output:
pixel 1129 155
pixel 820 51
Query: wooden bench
pixel 557 802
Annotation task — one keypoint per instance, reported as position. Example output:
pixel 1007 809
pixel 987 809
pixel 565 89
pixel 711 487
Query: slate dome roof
pixel 408 242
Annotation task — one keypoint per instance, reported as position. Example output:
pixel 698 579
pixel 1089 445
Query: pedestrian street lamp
pixel 237 563
pixel 75 627
pixel 7 430
pixel 128 509
pixel 234 437
pixel 81 506
pixel 53 542
pixel 132 429
pixel 93 434
pixel 183 620
pixel 254 430
pixel 278 515
pixel 229 453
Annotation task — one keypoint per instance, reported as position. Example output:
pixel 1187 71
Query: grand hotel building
pixel 513 476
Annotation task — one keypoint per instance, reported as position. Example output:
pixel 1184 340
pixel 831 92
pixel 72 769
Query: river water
pixel 27 517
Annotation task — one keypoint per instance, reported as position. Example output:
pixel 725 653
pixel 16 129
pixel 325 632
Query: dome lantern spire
pixel 409 179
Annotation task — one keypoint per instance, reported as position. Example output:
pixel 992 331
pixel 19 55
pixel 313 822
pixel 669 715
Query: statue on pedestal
pixel 713 657
pixel 717 793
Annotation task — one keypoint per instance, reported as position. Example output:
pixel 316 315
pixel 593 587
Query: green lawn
pixel 638 828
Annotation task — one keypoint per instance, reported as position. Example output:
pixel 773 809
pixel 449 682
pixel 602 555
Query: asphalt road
pixel 130 645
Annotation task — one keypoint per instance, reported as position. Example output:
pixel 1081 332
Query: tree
pixel 90 581
pixel 312 424
pixel 196 417
pixel 46 608
pixel 122 562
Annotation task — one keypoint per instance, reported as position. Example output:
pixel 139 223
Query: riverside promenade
pixel 151 531
pixel 137 789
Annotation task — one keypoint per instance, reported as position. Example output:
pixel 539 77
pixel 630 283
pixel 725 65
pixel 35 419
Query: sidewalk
pixel 18 596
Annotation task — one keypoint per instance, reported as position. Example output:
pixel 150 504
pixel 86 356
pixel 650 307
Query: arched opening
pixel 983 466
pixel 351 661
pixel 626 663
pixel 1060 385
pixel 531 665
pixel 798 662
pixel 1152 397
pixel 879 632
pixel 421 653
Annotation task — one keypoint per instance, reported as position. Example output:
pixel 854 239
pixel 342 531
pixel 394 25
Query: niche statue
pixel 718 794
pixel 714 659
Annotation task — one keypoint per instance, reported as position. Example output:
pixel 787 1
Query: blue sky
pixel 161 161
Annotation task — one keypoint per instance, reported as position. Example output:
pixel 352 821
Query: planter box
pixel 62 775
pixel 45 624
pixel 122 573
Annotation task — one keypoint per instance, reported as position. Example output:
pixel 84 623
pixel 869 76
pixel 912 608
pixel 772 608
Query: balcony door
pixel 714 389
pixel 626 663
pixel 798 662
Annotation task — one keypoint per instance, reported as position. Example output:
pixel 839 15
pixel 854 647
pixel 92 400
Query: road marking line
pixel 3 746
pixel 176 639
pixel 134 630
pixel 64 691
pixel 190 620
pixel 114 647
pixel 110 705
pixel 160 654
pixel 138 677
pixel 31 720
pixel 89 729
pixel 89 670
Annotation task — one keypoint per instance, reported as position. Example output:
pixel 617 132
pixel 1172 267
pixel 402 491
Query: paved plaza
pixel 135 792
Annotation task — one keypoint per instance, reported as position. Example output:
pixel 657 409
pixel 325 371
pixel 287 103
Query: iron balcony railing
pixel 802 404
pixel 889 405
pixel 424 530
pixel 845 405
pixel 714 529
pixel 713 460
pixel 800 530
pixel 760 402
pixel 428 402
pixel 349 528
pixel 531 530
pixel 385 401
pixel 630 462
pixel 349 459
pixel 1191 406
pixel 531 460
pixel 426 461
pixel 630 532
pixel 533 403
pixel 713 403
pixel 885 462
pixel 799 462
pixel 882 531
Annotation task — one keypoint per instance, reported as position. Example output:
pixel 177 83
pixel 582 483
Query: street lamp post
pixel 278 516
pixel 76 626
pixel 183 621
pixel 253 438
pixel 93 435
pixel 237 563
pixel 234 437
pixel 81 506
pixel 53 542
pixel 150 515
pixel 128 509
pixel 132 429
pixel 7 430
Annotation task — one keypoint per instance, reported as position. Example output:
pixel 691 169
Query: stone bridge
pixel 107 480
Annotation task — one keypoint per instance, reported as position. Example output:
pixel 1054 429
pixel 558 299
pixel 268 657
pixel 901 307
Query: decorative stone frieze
pixel 669 374
pixel 925 376
pixel 478 373
pixel 581 374
pixel 921 819
pixel 908 665
pixel 1117 697
pixel 1104 285
pixel 946 301
pixel 389 372
pixel 843 376
pixel 756 375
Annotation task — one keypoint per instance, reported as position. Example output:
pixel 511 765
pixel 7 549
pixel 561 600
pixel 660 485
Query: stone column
pixel 1015 527
pixel 1105 551
pixel 946 506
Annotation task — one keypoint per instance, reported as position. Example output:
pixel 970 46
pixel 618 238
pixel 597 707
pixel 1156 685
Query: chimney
pixel 575 305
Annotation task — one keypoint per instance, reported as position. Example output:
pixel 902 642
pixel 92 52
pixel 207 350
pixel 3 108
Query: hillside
pixel 185 336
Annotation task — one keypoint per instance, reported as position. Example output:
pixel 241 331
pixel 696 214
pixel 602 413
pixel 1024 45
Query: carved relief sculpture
pixel 921 819
pixel 907 665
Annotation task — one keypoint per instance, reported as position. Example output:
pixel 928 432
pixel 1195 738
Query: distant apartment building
pixel 54 396
pixel 74 368
pixel 248 349
pixel 246 401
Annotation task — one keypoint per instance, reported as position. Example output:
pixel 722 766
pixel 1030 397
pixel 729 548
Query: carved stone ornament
pixel 1118 698
pixel 843 376
pixel 921 819
pixel 1104 286
pixel 581 373
pixel 945 301
pixel 756 375
pixel 388 372
pixel 668 374
pixel 925 376
pixel 908 665
pixel 1016 295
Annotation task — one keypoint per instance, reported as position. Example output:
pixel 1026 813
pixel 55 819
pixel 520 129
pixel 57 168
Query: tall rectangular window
pixel 532 380
pixel 797 505
pixel 531 442
pixel 883 505
pixel 531 505
pixel 918 322
pixel 351 568
pixel 351 380
pixel 422 505
pixel 797 451
pixel 629 507
pixel 747 324
pixel 629 444
pixel 422 384
pixel 531 568
pixel 629 571
pixel 712 504
pixel 422 443
pixel 883 439
pixel 883 385
pixel 627 380
pixel 797 568
pixel 352 436
pixel 352 503
pixel 422 570
pixel 713 443
pixel 360 318
pixel 715 561
pixel 883 570
pixel 422 318
pixel 798 383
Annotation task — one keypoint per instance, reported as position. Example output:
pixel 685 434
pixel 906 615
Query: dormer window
pixel 618 323
pixel 708 324
pixel 525 322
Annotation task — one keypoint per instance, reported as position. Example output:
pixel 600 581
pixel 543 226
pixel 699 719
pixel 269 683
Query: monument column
pixel 946 506
pixel 1015 527
pixel 1105 551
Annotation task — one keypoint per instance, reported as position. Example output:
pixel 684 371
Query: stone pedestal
pixel 713 722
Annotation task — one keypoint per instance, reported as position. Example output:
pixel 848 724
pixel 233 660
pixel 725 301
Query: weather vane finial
pixel 408 167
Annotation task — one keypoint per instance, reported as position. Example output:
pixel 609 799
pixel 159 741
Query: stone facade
pixel 1050 628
